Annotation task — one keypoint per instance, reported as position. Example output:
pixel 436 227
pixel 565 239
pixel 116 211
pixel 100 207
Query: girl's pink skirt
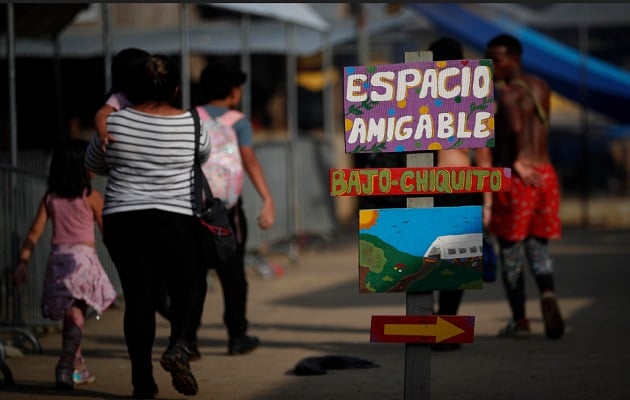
pixel 74 272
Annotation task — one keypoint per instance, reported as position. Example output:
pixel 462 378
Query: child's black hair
pixel 218 79
pixel 67 176
pixel 127 65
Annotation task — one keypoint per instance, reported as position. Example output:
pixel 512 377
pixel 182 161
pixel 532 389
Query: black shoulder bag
pixel 219 239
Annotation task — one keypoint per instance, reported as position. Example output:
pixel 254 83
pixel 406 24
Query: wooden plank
pixel 420 249
pixel 418 356
pixel 418 105
pixel 422 329
pixel 417 181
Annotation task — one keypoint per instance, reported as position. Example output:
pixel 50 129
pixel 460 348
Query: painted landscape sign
pixel 421 180
pixel 420 249
pixel 422 329
pixel 414 106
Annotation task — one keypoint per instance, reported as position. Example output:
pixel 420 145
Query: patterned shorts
pixel 526 210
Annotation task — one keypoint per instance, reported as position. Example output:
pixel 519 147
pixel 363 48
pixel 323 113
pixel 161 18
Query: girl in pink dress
pixel 75 278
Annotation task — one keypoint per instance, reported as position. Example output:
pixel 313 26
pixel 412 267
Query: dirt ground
pixel 313 309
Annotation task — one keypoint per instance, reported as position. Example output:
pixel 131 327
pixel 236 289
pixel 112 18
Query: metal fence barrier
pixel 20 194
pixel 302 208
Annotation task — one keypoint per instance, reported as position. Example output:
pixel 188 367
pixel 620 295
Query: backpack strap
pixel 200 182
pixel 203 114
pixel 540 112
pixel 230 117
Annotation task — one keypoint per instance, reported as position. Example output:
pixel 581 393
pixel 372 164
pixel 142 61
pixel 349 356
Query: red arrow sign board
pixel 422 329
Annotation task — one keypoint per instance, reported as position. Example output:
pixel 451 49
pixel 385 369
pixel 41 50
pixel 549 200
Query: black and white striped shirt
pixel 150 163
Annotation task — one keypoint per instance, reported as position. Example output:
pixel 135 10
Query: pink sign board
pixel 430 105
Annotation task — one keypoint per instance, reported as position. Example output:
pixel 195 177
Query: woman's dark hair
pixel 127 65
pixel 67 176
pixel 158 82
pixel 511 44
pixel 218 79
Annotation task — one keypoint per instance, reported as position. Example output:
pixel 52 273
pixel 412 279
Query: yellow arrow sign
pixel 442 329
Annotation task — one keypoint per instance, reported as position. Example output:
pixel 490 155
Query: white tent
pixel 295 13
pixel 219 37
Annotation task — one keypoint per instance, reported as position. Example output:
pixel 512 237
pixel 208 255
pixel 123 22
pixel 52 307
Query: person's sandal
pixel 63 378
pixel 195 354
pixel 82 376
pixel 242 345
pixel 145 391
pixel 554 325
pixel 516 329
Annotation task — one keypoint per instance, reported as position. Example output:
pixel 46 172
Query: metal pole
pixel 292 125
pixel 328 101
pixel 107 44
pixel 325 148
pixel 246 102
pixel 61 132
pixel 184 28
pixel 362 36
pixel 14 147
pixel 583 38
pixel 12 91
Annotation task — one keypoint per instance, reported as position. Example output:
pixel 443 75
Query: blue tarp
pixel 608 87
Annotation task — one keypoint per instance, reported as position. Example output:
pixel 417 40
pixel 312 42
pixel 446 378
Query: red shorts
pixel 527 210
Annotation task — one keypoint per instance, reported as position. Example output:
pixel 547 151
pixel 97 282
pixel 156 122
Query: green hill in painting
pixel 383 268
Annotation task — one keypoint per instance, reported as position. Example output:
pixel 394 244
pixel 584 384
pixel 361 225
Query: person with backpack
pixel 221 88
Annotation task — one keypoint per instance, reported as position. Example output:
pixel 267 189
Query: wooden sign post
pixel 422 329
pixel 412 107
pixel 418 356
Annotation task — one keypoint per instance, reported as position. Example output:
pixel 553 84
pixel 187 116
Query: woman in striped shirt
pixel 149 225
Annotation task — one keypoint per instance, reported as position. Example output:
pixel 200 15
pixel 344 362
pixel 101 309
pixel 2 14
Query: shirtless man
pixel 449 300
pixel 528 215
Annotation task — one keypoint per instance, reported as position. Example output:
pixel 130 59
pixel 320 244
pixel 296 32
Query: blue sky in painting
pixel 412 230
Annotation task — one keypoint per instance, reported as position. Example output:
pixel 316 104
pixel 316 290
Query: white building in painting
pixel 449 247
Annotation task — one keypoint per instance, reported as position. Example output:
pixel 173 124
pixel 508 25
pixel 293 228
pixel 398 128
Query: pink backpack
pixel 224 168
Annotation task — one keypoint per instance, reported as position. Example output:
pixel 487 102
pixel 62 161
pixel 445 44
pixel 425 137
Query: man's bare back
pixel 528 127
pixel 521 120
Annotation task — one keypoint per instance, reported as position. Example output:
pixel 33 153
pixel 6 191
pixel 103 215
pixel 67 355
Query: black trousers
pixel 153 250
pixel 233 279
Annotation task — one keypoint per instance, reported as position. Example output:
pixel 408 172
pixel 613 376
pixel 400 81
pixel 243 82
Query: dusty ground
pixel 314 309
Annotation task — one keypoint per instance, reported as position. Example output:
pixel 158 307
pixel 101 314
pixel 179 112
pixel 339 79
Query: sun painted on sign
pixel 416 106
pixel 420 249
